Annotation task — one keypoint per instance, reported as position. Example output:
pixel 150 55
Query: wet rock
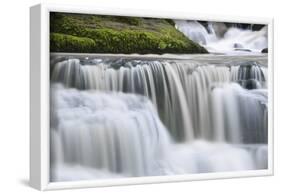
pixel 265 50
pixel 237 45
pixel 249 84
pixel 257 27
pixel 219 28
pixel 242 49
pixel 254 27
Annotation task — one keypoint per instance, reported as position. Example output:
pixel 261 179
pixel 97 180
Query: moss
pixel 69 43
pixel 108 34
pixel 128 20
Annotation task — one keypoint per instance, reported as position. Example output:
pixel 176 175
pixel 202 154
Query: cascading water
pixel 128 117
pixel 233 39
pixel 175 88
pixel 112 131
pixel 196 32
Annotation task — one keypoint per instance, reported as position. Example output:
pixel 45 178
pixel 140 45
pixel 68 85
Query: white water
pixel 181 91
pixel 109 135
pixel 151 117
pixel 116 132
pixel 234 39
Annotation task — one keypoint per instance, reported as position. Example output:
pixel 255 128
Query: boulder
pixel 265 50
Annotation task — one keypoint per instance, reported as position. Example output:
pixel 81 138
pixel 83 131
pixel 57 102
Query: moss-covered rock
pixel 109 34
pixel 68 43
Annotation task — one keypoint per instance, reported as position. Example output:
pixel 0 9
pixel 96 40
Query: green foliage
pixel 108 34
pixel 68 43
pixel 128 20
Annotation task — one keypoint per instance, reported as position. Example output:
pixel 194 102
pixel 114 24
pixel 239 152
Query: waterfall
pixel 109 135
pixel 177 89
pixel 233 39
pixel 196 32
pixel 123 117
pixel 233 109
pixel 112 131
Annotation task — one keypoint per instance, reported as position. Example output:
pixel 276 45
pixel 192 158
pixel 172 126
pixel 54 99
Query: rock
pixel 257 27
pixel 237 45
pixel 242 49
pixel 265 50
pixel 249 84
pixel 254 27
pixel 219 28
pixel 111 34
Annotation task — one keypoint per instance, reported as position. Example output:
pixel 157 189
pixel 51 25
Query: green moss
pixel 68 43
pixel 108 34
pixel 128 20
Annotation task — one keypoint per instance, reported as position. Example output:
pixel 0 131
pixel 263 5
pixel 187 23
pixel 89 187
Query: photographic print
pixel 143 97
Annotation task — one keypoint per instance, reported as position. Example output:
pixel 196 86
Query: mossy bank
pixel 81 33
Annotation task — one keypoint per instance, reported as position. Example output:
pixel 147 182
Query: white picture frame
pixel 40 92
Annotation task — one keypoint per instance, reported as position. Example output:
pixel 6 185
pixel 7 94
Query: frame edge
pixel 35 174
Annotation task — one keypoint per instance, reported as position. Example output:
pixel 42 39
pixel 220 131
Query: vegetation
pixel 68 43
pixel 111 34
